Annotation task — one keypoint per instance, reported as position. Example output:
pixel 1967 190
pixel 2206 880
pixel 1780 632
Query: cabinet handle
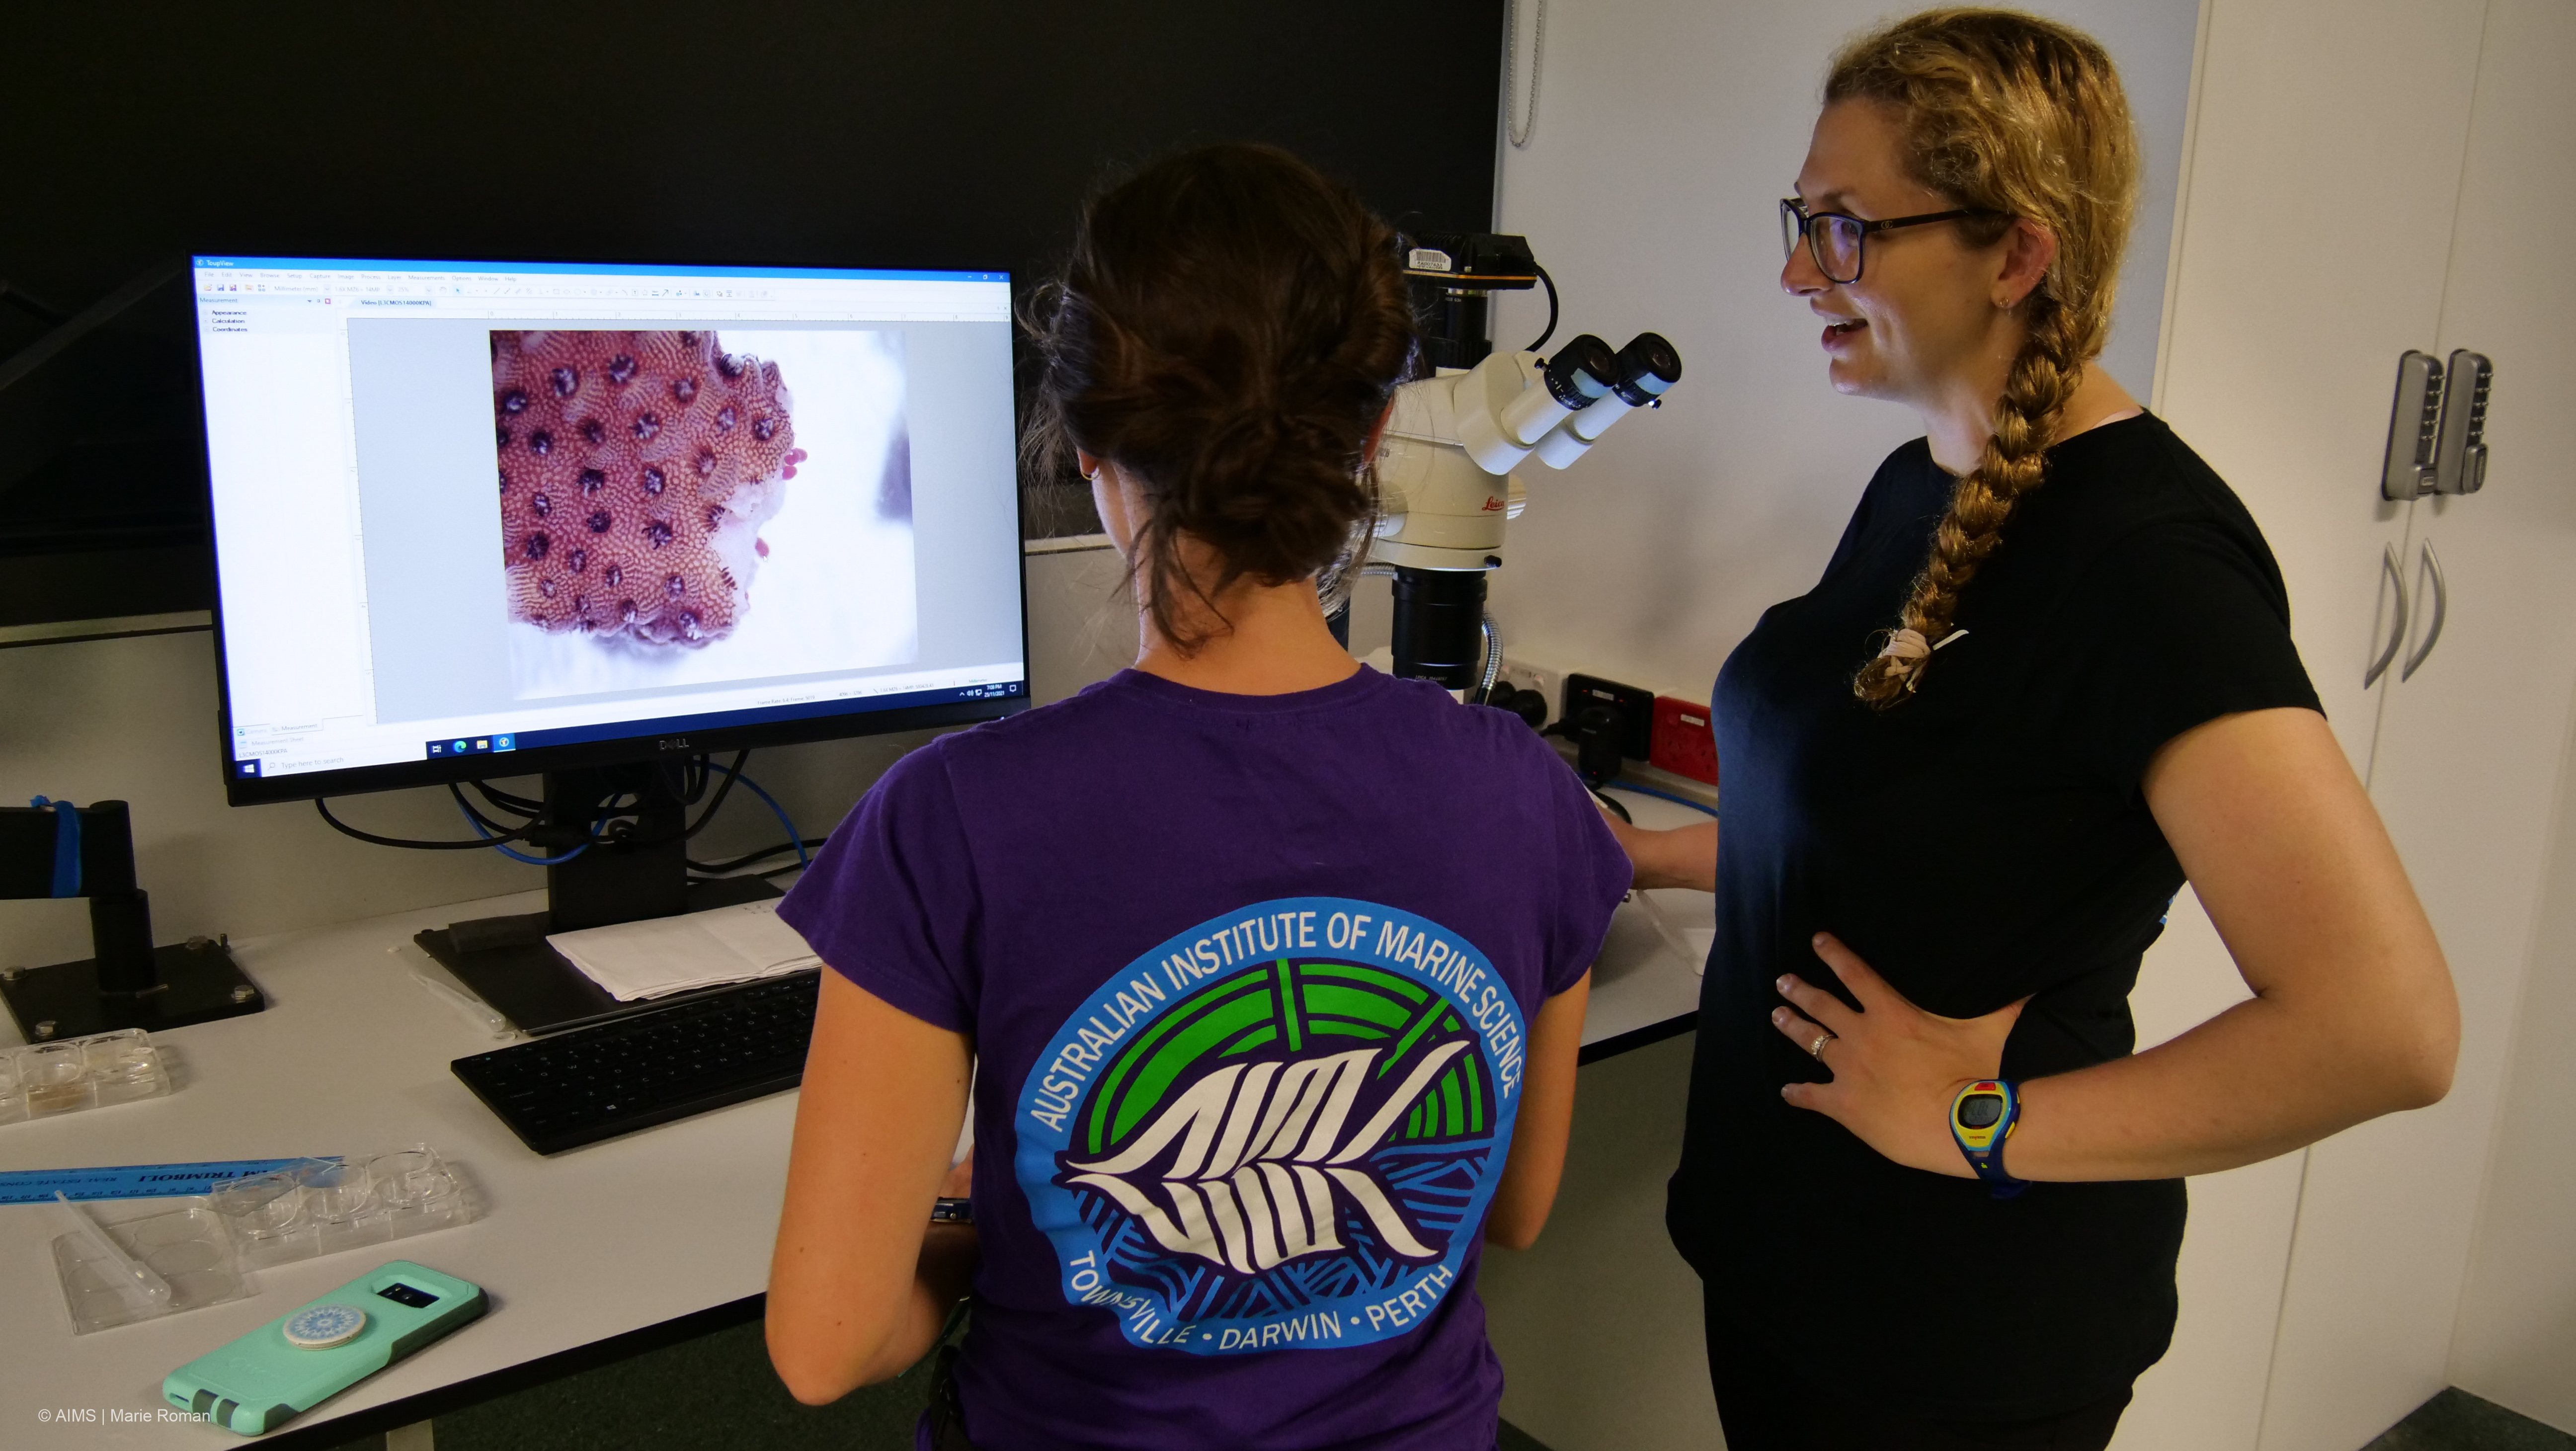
pixel 2397 626
pixel 2441 612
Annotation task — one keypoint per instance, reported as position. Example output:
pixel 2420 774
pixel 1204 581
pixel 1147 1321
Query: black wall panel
pixel 838 134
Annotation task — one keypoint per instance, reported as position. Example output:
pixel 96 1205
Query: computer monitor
pixel 484 519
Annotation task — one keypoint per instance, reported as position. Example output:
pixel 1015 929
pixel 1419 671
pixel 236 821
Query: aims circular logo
pixel 1279 1129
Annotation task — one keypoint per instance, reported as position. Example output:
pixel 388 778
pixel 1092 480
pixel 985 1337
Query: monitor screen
pixel 563 514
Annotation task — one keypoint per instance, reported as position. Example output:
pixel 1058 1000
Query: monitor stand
pixel 505 960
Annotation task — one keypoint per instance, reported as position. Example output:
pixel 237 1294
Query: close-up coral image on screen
pixel 679 506
pixel 636 471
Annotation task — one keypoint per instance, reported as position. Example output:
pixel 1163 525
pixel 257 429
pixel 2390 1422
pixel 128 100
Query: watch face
pixel 1981 1110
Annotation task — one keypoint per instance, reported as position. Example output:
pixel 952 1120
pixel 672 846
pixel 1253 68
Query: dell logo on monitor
pixel 672 743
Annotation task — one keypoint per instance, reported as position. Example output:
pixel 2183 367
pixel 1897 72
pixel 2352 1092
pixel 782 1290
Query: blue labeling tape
pixel 67 845
pixel 131 1181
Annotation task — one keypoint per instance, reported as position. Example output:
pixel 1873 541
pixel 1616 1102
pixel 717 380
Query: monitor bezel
pixel 853 724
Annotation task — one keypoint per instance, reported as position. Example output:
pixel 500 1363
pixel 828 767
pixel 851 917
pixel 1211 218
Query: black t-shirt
pixel 1983 841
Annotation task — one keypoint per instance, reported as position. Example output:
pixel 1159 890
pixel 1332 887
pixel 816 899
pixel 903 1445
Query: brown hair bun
pixel 1228 329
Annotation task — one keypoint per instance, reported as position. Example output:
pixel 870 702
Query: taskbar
pixel 671 728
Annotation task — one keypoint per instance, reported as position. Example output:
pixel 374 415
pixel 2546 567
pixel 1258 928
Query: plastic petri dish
pixel 410 1179
pixel 57 1077
pixel 55 1065
pixel 263 1206
pixel 341 1193
pixel 121 1056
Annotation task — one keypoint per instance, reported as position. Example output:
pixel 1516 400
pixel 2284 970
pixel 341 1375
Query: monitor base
pixel 506 962
pixel 193 982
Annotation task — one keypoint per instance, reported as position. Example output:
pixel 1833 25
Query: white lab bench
pixel 588 1256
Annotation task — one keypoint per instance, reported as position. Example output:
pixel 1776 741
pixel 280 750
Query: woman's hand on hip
pixel 1895 1067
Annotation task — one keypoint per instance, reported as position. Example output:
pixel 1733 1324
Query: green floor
pixel 717 1391
pixel 2458 1421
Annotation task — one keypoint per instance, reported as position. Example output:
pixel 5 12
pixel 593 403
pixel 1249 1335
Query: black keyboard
pixel 578 1087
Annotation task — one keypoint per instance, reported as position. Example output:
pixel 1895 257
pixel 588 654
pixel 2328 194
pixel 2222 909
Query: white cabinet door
pixel 2316 229
pixel 2316 226
pixel 2465 771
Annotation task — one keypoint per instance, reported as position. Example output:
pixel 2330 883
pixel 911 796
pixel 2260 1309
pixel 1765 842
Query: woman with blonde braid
pixel 2045 679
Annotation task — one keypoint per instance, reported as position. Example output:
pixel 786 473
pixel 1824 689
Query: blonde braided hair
pixel 2023 117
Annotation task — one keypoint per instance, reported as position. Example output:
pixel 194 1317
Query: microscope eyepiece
pixel 1582 370
pixel 1647 366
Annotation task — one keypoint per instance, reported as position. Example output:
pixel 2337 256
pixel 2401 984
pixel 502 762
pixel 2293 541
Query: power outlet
pixel 1683 744
pixel 1544 677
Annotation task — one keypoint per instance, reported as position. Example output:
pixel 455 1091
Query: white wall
pixel 1667 131
pixel 2516 1341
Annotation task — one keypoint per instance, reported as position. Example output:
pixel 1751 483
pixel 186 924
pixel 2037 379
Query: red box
pixel 1684 744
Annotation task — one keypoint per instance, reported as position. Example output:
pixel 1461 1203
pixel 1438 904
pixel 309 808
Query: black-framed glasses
pixel 1838 241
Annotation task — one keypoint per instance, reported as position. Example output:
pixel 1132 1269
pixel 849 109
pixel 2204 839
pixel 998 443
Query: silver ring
pixel 1816 1049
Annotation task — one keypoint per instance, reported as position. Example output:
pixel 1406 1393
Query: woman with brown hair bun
pixel 2045 679
pixel 1271 968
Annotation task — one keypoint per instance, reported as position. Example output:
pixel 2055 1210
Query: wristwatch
pixel 952 1211
pixel 1982 1116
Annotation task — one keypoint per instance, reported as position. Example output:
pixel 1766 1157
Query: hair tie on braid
pixel 1906 651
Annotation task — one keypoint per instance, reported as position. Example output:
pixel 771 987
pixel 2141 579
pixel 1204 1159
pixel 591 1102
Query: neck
pixel 1959 422
pixel 1273 641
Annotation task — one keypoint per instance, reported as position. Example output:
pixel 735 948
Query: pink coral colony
pixel 636 471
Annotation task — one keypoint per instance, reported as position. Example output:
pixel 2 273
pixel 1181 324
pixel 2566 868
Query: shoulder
pixel 1475 736
pixel 2137 472
pixel 1907 483
pixel 1041 735
pixel 2127 493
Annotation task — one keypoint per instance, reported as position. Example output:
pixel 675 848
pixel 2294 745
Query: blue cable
pixel 803 858
pixel 1625 785
pixel 534 861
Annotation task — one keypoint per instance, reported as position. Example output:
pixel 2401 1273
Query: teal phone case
pixel 262 1380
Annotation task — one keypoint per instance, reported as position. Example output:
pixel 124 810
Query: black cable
pixel 1617 807
pixel 628 838
pixel 743 861
pixel 35 307
pixel 1551 309
pixel 345 829
pixel 706 764
pixel 481 820
pixel 503 834
pixel 509 801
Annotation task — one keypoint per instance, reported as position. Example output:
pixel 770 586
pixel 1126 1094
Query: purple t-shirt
pixel 1251 980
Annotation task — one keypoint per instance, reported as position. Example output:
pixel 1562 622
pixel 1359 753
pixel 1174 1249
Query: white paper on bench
pixel 665 955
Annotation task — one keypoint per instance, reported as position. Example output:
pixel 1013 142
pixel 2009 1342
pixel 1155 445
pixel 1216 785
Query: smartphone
pixel 312 1353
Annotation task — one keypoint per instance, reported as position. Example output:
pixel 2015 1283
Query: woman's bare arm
pixel 860 1283
pixel 1546 1118
pixel 2353 1014
pixel 1683 857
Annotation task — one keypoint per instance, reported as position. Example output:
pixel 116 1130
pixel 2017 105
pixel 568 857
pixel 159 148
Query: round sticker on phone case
pixel 324 1326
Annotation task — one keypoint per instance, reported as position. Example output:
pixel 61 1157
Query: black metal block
pixel 194 982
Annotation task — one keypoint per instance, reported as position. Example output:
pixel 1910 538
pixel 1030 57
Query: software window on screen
pixel 485 507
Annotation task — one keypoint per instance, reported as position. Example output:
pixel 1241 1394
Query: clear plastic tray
pixel 209 1246
pixel 45 1079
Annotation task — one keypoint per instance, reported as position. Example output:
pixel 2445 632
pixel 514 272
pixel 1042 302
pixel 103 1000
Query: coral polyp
pixel 615 420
